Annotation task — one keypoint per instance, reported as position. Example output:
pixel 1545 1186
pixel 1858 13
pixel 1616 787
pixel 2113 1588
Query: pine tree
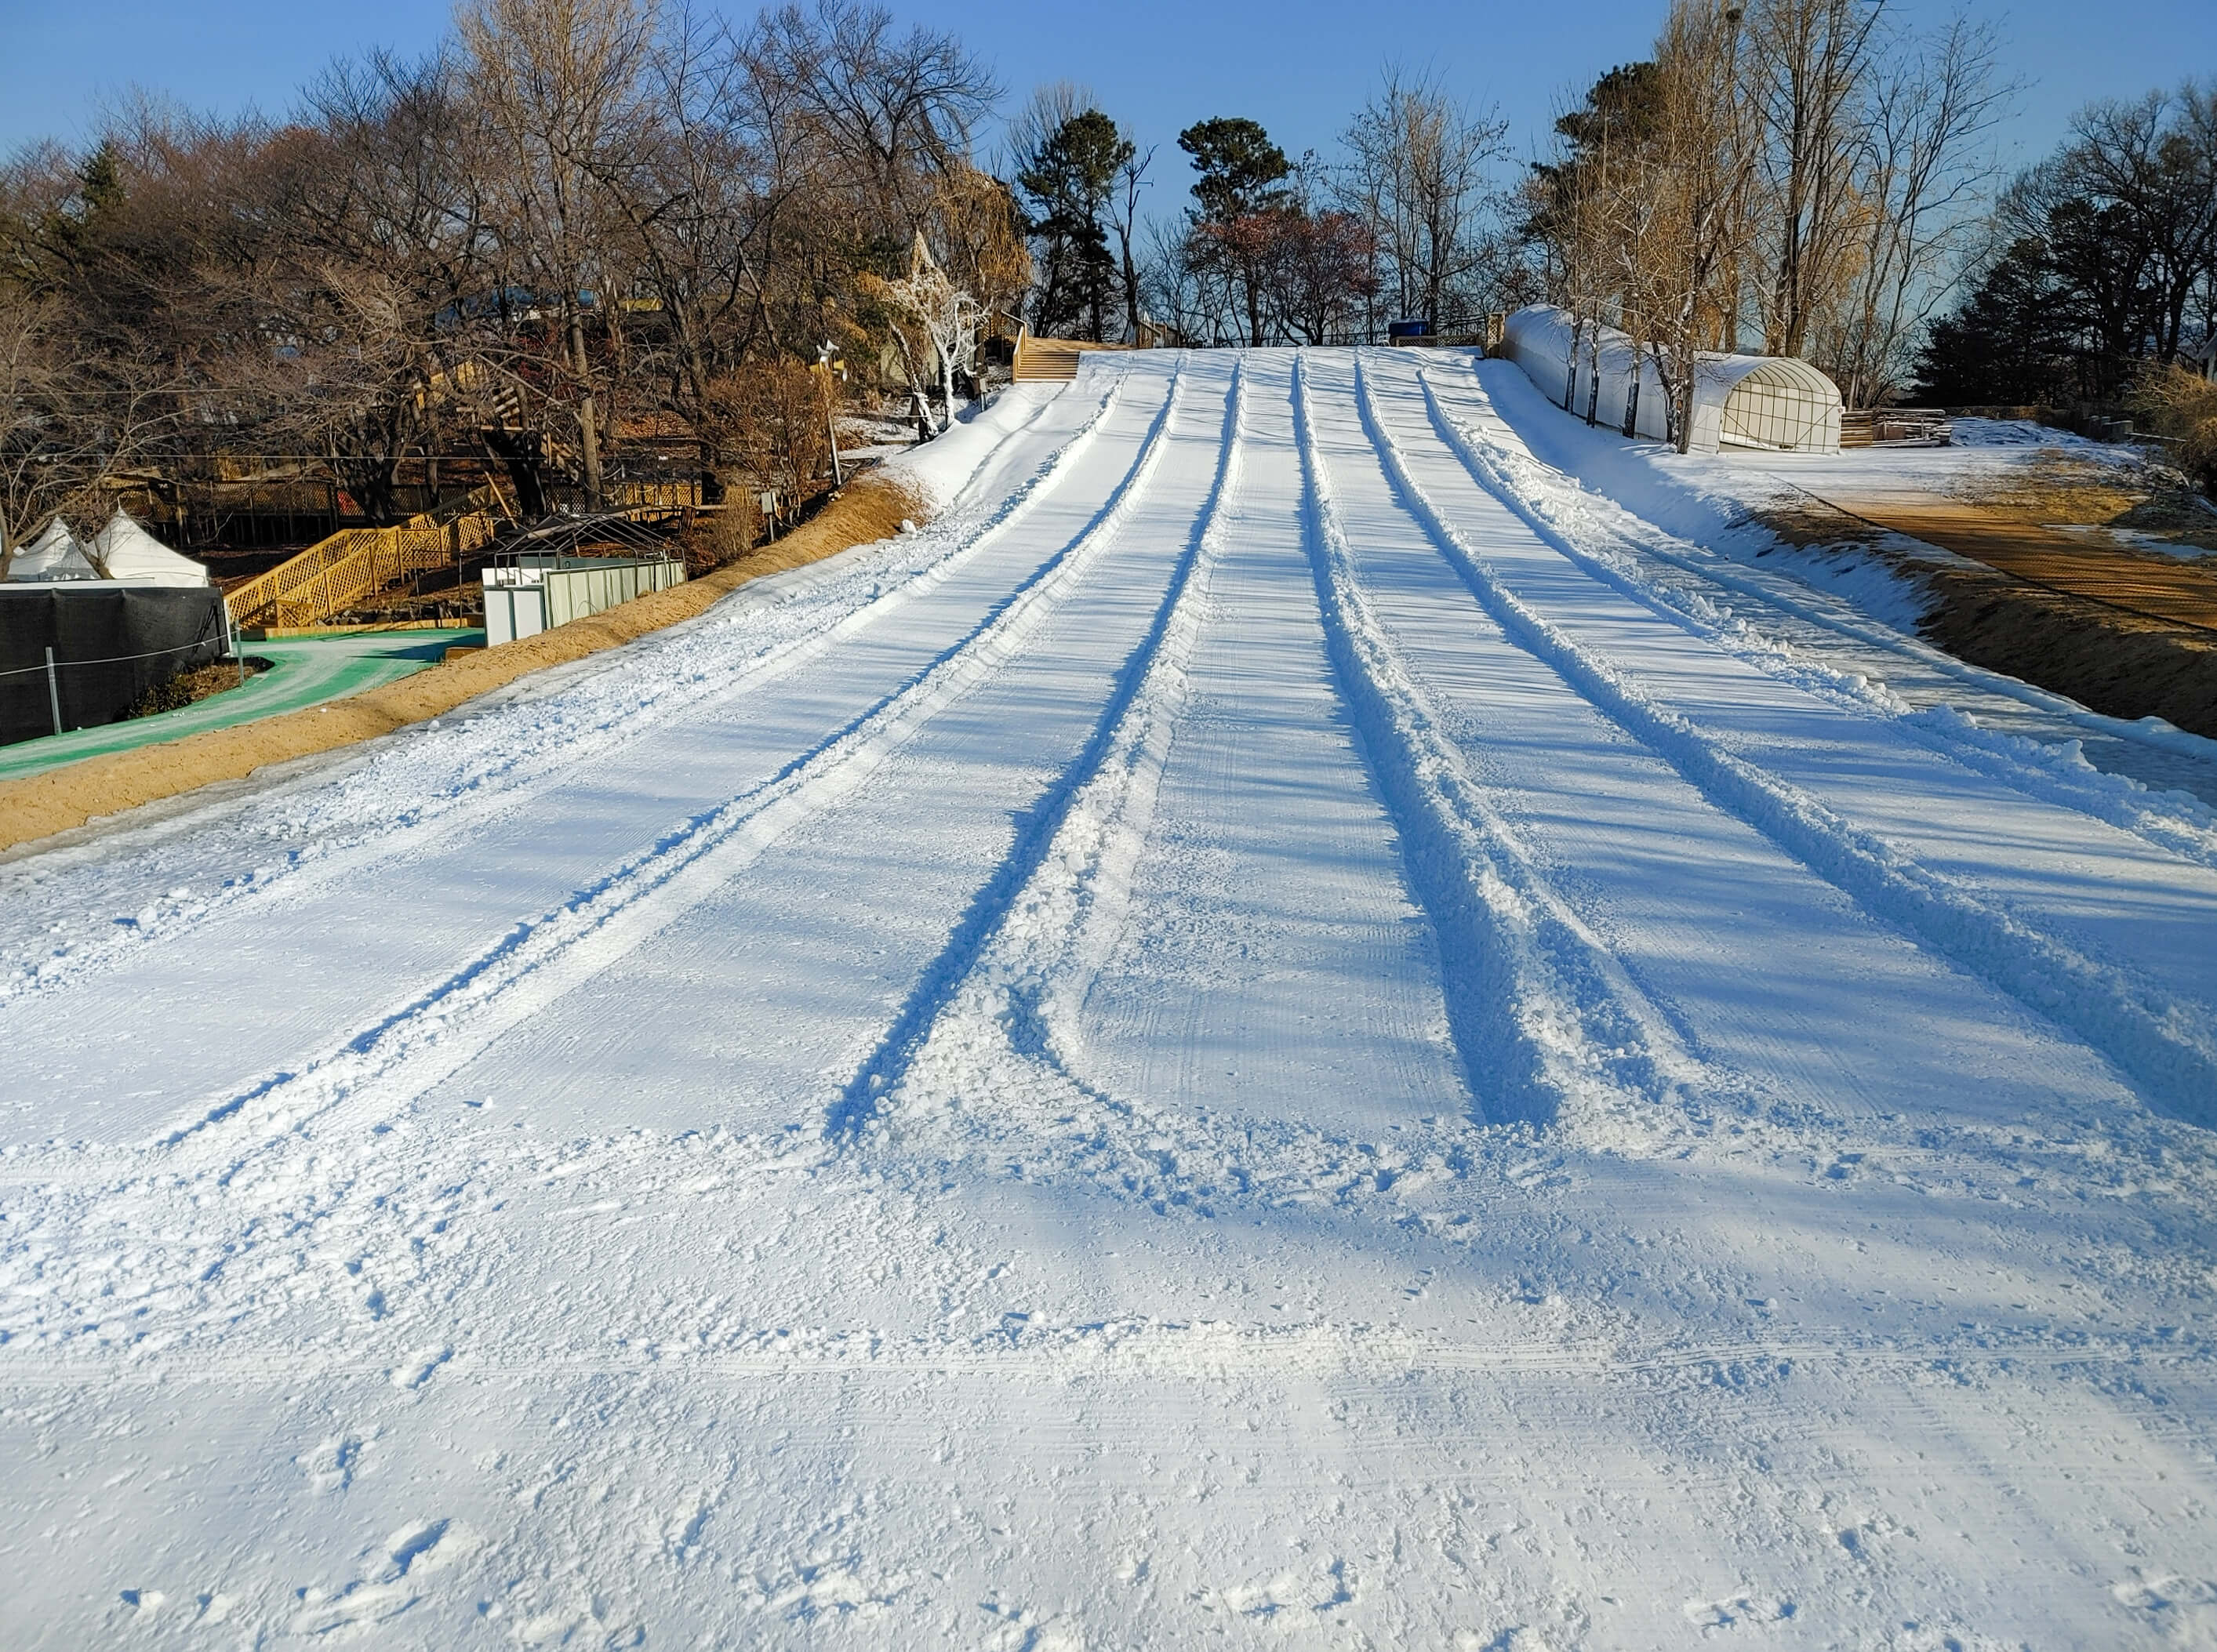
pixel 1242 185
pixel 1070 181
pixel 2011 342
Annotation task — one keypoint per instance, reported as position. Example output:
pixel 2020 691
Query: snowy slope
pixel 1694 520
pixel 1285 1029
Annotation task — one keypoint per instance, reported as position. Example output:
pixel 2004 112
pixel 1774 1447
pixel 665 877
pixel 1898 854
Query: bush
pixel 775 418
pixel 719 537
pixel 2172 402
pixel 188 687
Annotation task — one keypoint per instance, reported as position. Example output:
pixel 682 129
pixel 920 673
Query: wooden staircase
pixel 1053 359
pixel 354 562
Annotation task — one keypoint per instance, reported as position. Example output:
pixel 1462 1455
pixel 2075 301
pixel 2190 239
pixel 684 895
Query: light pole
pixel 824 358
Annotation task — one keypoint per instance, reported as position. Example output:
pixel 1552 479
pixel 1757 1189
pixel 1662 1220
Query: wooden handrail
pixel 350 564
pixel 355 562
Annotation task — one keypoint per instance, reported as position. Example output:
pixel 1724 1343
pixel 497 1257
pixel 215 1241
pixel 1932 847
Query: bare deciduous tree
pixel 1807 65
pixel 1798 166
pixel 65 424
pixel 1416 178
pixel 943 315
pixel 1922 178
pixel 557 82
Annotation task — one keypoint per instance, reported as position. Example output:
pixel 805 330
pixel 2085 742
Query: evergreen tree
pixel 1620 114
pixel 1240 192
pixel 2012 340
pixel 1068 182
pixel 1242 172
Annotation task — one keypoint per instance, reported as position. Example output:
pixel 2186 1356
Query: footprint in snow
pixel 409 1556
pixel 330 1465
pixel 1738 1609
pixel 417 1369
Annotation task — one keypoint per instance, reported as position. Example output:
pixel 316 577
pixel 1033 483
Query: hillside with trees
pixel 579 251
pixel 576 244
pixel 1799 177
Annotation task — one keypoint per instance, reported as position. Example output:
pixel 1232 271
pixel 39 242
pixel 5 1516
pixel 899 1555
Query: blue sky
pixel 1298 66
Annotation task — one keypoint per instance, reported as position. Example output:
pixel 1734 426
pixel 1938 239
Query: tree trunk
pixel 518 451
pixel 1130 291
pixel 589 428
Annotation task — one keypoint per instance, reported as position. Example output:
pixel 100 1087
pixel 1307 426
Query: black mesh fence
pixel 111 643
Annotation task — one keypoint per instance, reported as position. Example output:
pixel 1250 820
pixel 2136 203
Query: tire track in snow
pixel 2165 1045
pixel 1551 1026
pixel 1611 550
pixel 1151 1347
pixel 406 1051
pixel 522 770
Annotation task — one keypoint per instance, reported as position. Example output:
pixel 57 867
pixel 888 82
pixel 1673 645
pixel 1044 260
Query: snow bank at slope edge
pixel 1698 497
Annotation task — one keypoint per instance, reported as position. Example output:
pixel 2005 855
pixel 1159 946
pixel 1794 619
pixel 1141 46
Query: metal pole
pixel 831 410
pixel 54 691
pixel 823 359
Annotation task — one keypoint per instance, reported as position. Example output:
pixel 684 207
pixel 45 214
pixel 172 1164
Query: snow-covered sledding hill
pixel 1281 1030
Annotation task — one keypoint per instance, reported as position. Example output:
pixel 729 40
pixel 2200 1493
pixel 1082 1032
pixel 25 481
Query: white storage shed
pixel 536 593
pixel 1769 402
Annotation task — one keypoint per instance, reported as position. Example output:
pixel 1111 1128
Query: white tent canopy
pixel 55 554
pixel 1739 401
pixel 131 554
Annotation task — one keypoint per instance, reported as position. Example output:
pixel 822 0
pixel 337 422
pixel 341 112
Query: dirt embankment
pixel 2116 662
pixel 2128 633
pixel 42 805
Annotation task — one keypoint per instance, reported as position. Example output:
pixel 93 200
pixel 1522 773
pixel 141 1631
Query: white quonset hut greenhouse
pixel 1769 402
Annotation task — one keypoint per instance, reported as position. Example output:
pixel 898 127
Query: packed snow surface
pixel 1287 1028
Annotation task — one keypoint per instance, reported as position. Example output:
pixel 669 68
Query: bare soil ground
pixel 2127 632
pixel 2061 487
pixel 2151 586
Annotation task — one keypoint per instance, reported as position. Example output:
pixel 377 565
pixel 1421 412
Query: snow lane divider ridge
pixel 2165 1045
pixel 1550 1026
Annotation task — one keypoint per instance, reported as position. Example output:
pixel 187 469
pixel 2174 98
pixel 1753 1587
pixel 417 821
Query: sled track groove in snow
pixel 2030 766
pixel 1547 1018
pixel 560 746
pixel 882 1071
pixel 405 1053
pixel 1195 1086
pixel 2165 1045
